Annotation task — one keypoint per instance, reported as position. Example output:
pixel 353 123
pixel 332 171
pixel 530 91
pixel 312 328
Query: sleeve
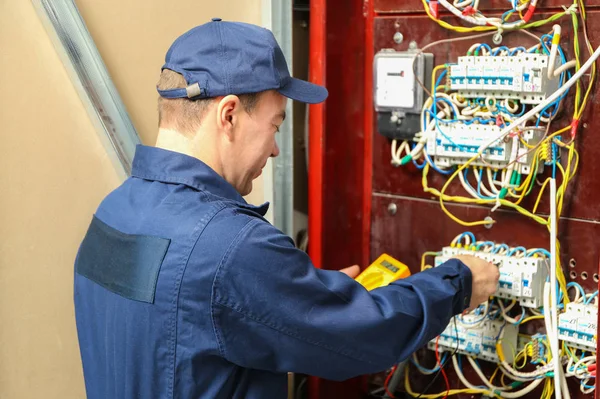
pixel 273 310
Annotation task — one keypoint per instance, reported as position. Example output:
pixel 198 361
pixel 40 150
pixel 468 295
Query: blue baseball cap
pixel 220 58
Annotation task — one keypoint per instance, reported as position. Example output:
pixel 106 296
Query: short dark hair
pixel 186 115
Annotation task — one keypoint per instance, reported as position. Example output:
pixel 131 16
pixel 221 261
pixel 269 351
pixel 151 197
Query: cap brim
pixel 303 91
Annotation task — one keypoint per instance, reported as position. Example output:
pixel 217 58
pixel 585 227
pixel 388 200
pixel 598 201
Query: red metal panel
pixel 337 151
pixel 368 131
pixel 316 125
pixel 345 190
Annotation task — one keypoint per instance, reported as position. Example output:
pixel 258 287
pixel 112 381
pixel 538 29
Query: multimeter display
pixel 382 272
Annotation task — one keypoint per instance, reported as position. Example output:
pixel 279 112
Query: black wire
pixel 437 374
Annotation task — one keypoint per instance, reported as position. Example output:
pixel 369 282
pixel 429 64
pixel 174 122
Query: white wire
pixel 509 395
pixel 504 132
pixel 482 185
pixel 553 52
pixel 482 376
pixel 564 67
pixel 554 323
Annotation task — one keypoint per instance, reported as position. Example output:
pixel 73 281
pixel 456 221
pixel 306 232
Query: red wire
pixel 439 363
pixel 387 381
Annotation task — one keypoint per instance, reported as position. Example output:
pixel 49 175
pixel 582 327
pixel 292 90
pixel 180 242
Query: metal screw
pixel 497 39
pixel 585 125
pixel 392 208
pixel 412 45
pixel 398 37
pixel 490 222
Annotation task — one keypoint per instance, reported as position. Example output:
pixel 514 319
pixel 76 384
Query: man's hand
pixel 485 278
pixel 351 271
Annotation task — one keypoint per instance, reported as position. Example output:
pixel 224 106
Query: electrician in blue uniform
pixel 184 290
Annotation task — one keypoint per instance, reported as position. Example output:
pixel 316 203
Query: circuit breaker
pixel 456 143
pixel 522 77
pixel 578 326
pixel 398 96
pixel 521 279
pixel 473 337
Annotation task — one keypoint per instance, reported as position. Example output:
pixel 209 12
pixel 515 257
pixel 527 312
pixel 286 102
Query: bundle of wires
pixel 508 186
pixel 536 352
pixel 468 12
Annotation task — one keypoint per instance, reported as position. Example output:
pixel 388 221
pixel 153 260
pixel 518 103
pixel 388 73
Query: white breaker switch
pixel 521 279
pixel 473 339
pixel 520 77
pixel 577 326
pixel 456 143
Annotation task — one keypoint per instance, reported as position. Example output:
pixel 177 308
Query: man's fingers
pixel 351 271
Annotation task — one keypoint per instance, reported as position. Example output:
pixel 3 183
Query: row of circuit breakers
pixel 522 77
pixel 522 280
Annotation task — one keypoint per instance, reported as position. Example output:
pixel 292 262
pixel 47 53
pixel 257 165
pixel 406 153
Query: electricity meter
pixel 398 96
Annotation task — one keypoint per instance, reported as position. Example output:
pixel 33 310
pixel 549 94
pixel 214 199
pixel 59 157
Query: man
pixel 183 290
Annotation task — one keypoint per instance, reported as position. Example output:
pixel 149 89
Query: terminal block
pixel 469 337
pixel 522 77
pixel 577 326
pixel 521 279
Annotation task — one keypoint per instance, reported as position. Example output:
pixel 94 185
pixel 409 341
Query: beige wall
pixel 133 38
pixel 54 171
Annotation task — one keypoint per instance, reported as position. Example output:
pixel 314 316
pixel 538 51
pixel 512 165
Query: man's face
pixel 255 139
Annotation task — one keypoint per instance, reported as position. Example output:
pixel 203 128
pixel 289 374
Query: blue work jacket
pixel 183 290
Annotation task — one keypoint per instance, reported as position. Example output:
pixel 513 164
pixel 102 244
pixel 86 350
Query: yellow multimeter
pixel 382 272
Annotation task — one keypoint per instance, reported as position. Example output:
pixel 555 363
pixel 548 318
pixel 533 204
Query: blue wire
pixel 472 188
pixel 478 182
pixel 501 47
pixel 421 166
pixel 467 233
pixel 517 49
pixel 514 250
pixel 483 45
pixel 430 162
pixel 537 251
pixel 576 285
pixel 522 317
pixel 498 247
pixel 484 243
pixel 589 300
pixel 425 369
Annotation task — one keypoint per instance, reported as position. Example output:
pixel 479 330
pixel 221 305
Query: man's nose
pixel 275 150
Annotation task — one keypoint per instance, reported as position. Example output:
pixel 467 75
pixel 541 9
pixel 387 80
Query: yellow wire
pixel 593 74
pixel 522 354
pixel 409 390
pixel 462 29
pixel 530 318
pixel 425 254
pixel 479 201
pixel 434 73
pixel 539 198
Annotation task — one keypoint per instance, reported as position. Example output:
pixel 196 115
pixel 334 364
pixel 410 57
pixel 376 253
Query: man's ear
pixel 228 111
